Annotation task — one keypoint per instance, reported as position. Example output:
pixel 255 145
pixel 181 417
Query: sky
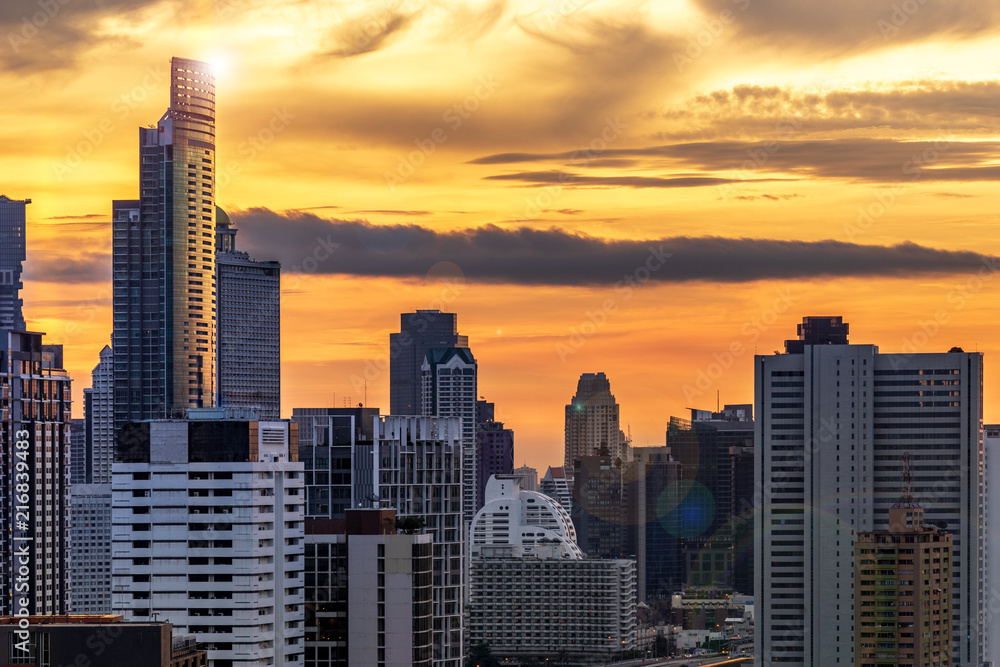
pixel 655 190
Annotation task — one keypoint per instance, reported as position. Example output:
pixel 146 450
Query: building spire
pixel 906 500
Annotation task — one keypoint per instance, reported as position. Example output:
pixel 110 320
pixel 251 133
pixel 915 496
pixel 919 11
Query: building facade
pixel 369 592
pixel 164 338
pixel 450 389
pixel 832 422
pixel 248 344
pixel 708 446
pixel 902 579
pixel 99 640
pixel 418 333
pixel 555 485
pixel 90 531
pixel 419 474
pixel 335 445
pixel 35 400
pixel 98 452
pixel 529 478
pixel 531 591
pixel 12 256
pixel 207 533
pixel 495 456
pixel 593 422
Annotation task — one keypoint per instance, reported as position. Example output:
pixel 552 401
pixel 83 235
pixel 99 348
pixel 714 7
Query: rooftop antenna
pixel 366 393
pixel 906 500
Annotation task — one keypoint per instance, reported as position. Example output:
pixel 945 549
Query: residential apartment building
pixel 207 533
pixel 833 420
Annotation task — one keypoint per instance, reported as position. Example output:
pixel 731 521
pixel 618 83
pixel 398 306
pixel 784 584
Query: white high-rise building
pixel 834 423
pixel 532 593
pixel 449 389
pixel 207 533
pixel 419 474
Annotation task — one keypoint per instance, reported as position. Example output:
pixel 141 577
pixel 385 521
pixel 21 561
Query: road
pixel 687 662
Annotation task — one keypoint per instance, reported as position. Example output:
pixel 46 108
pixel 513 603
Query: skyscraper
pixel 98 452
pixel 248 344
pixel 12 254
pixel 832 422
pixel 34 507
pixel 449 389
pixel 418 332
pixel 164 338
pixel 592 422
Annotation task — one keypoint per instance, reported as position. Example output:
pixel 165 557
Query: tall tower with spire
pixel 164 260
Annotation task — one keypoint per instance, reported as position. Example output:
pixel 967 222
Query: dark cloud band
pixel 304 242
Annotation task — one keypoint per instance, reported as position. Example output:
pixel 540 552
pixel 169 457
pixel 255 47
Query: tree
pixel 410 524
pixel 481 655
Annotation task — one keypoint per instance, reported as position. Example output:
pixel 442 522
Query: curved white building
pixel 532 593
pixel 523 523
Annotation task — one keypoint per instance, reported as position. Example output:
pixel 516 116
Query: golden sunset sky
pixel 743 163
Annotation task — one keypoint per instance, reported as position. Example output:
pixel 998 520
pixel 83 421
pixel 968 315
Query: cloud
pixel 851 25
pixel 393 212
pixel 539 178
pixel 307 243
pixel 367 33
pixel 875 160
pixel 87 267
pixel 917 108
pixel 42 36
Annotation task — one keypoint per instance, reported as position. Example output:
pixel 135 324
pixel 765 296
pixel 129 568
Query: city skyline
pixel 630 125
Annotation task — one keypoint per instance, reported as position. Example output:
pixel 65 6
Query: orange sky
pixel 806 114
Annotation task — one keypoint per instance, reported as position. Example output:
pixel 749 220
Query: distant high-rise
pixel 418 333
pixel 12 255
pixel 164 338
pixel 248 343
pixel 592 422
pixel 708 446
pixel 554 485
pixel 449 389
pixel 35 504
pixel 529 477
pixel 98 452
pixel 495 456
pixel 832 421
pixel 91 493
